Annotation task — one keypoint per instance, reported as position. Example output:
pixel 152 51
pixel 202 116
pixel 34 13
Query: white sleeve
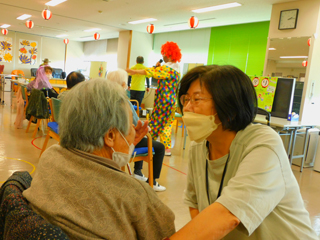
pixel 256 189
pixel 190 197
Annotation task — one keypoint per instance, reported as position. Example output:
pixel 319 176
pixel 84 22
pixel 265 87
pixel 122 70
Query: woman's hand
pixel 141 131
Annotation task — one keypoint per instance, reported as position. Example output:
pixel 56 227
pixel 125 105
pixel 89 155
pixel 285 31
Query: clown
pixel 168 76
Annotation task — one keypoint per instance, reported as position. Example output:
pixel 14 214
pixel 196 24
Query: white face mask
pixel 49 76
pixel 199 126
pixel 121 158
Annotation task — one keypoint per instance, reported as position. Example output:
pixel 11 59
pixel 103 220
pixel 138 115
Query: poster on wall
pixel 5 49
pixel 98 69
pixel 28 52
pixel 265 88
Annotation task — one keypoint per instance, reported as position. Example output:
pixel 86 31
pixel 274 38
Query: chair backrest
pixel 266 113
pixel 137 104
pixel 17 72
pixel 33 72
pixel 56 103
pixel 24 92
pixel 56 72
pixel 1 69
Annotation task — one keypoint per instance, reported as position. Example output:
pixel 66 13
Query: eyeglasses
pixel 195 99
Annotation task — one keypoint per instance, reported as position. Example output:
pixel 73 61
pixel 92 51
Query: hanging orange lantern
pixel 66 41
pixel 4 31
pixel 29 24
pixel 46 14
pixel 309 42
pixel 305 63
pixel 193 22
pixel 150 28
pixel 96 36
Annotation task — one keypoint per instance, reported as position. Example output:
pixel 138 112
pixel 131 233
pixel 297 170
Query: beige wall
pixel 124 44
pixel 307 19
pixel 52 48
pixel 308 25
pixel 141 45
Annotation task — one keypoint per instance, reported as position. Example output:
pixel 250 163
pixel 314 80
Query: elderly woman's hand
pixel 141 131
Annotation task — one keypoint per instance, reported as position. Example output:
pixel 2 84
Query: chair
pixel 24 92
pixel 136 107
pixel 17 218
pixel 20 73
pixel 33 72
pixel 265 112
pixel 37 109
pixel 144 154
pixel 53 127
pixel 178 117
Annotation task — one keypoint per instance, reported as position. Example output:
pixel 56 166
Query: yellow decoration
pixel 33 44
pixel 8 57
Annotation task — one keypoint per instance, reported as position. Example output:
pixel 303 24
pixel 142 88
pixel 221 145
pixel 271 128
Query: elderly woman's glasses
pixel 194 99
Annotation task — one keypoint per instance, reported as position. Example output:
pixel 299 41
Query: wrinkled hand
pixel 141 131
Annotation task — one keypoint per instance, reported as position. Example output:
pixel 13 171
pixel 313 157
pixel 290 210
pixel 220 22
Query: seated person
pixel 120 76
pixel 72 79
pixel 79 186
pixel 41 82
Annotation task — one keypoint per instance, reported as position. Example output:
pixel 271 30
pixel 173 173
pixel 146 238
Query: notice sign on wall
pixel 265 88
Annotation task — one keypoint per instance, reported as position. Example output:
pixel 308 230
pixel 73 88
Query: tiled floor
pixel 19 151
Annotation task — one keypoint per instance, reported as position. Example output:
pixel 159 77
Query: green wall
pixel 243 46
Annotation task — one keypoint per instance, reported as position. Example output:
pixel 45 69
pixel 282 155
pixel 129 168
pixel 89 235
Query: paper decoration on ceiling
pixel 193 22
pixel 150 28
pixel 305 63
pixel 309 42
pixel 66 41
pixel 28 52
pixel 29 24
pixel 5 49
pixel 96 36
pixel 4 31
pixel 46 14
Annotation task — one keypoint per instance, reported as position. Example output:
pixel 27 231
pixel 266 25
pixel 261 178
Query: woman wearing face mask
pixel 78 185
pixel 240 184
pixel 41 82
pixel 168 76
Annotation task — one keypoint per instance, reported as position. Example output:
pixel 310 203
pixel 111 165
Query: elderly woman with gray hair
pixel 78 184
pixel 120 77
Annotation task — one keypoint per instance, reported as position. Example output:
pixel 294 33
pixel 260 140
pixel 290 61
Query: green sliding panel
pixel 243 46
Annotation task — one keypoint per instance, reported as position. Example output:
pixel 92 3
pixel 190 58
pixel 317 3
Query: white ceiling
pixel 74 16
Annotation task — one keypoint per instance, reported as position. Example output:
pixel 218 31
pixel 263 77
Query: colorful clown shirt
pixel 165 96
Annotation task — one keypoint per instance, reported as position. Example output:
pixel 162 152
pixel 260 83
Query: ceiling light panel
pixel 92 30
pixel 294 57
pixel 53 3
pixel 217 7
pixel 143 21
pixel 5 26
pixel 24 17
pixel 62 35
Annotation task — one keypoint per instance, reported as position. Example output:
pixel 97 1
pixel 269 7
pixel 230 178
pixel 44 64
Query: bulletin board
pixel 265 88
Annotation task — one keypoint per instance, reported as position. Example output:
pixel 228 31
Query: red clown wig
pixel 171 50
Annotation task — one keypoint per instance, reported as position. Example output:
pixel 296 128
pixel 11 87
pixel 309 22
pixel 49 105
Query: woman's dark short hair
pixel 232 92
pixel 74 78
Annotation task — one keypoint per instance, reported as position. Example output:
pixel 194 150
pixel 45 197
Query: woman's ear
pixel 109 138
